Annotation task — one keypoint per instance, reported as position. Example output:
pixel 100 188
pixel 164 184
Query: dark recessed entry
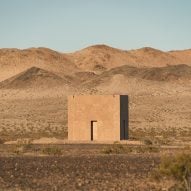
pixel 93 130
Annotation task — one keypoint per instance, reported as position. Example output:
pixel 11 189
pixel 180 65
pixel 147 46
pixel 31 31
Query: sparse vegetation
pixel 116 148
pixel 154 136
pixel 177 167
pixel 54 151
pixel 35 118
pixel 147 142
pixel 124 149
pixel 22 146
pixel 70 162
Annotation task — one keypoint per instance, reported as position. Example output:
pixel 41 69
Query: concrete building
pixel 98 118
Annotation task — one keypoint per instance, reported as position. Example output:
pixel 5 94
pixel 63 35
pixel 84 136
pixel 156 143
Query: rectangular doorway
pixel 93 130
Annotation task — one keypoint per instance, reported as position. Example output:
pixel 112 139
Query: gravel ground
pixel 73 172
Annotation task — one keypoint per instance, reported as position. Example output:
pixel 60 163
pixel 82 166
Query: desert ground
pixel 34 85
pixel 83 167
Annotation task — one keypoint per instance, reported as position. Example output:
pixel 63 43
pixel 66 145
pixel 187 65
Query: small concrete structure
pixel 98 118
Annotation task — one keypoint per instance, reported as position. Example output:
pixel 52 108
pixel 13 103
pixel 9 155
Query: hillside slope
pixel 167 74
pixel 33 78
pixel 14 61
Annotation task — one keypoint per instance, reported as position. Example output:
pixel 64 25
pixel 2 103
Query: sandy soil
pixel 155 110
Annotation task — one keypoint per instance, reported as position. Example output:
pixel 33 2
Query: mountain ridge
pixel 96 58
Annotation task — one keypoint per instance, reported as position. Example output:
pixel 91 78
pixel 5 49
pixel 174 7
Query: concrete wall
pixel 103 109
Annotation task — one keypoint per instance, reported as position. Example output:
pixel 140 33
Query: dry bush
pixel 147 141
pixel 55 151
pixel 116 148
pixel 147 149
pixel 178 168
pixel 22 146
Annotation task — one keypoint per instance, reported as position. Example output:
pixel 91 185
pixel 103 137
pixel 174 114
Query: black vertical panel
pixel 124 117
pixel 91 130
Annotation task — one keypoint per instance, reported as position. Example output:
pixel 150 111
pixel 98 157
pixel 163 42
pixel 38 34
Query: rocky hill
pixel 96 59
pixel 33 78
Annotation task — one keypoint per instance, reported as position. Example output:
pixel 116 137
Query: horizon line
pixel 93 45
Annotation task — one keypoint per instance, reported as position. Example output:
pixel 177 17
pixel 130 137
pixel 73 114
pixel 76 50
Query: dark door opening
pixel 93 130
pixel 124 129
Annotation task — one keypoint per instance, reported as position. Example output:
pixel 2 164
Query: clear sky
pixel 69 25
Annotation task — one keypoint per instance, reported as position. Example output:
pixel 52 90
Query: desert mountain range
pixel 42 65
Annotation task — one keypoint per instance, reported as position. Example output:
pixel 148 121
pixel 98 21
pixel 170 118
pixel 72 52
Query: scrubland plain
pixel 34 87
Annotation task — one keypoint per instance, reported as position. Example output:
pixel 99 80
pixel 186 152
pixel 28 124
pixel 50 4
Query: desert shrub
pixel 55 151
pixel 1 141
pixel 116 148
pixel 18 150
pixel 161 141
pixel 147 141
pixel 177 167
pixel 178 187
pixel 26 144
pixel 22 146
pixel 147 149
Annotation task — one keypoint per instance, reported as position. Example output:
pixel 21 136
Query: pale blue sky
pixel 69 25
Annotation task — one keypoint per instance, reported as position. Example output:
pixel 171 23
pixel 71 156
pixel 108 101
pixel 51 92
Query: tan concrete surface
pixel 105 109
